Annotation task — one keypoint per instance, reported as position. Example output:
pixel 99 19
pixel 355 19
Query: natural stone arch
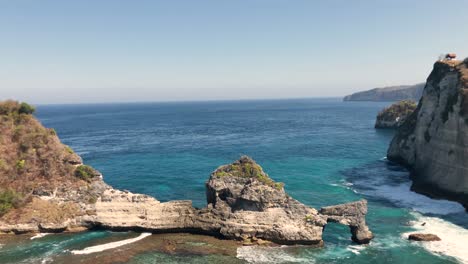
pixel 352 215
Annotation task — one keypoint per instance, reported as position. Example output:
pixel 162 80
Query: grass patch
pixel 85 172
pixel 8 199
pixel 69 150
pixel 20 164
pixel 247 168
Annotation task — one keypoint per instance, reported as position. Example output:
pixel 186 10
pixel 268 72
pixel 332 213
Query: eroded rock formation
pixel 352 215
pixel 395 115
pixel 243 202
pixel 433 142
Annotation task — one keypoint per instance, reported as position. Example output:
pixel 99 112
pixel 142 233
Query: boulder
pixel 423 237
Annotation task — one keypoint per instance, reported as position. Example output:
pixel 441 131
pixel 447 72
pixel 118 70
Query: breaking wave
pixel 258 254
pixel 39 235
pixel 453 237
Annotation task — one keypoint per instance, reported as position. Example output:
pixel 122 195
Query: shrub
pixel 8 107
pixel 308 218
pixel 92 200
pixel 20 164
pixel 8 199
pixel 247 168
pixel 278 185
pixel 3 164
pixel 26 108
pixel 85 172
pixel 69 150
pixel 11 107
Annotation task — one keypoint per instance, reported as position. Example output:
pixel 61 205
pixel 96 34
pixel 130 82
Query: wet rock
pixel 423 237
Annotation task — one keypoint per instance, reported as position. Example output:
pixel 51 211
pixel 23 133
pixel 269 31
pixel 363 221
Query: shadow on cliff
pixel 389 184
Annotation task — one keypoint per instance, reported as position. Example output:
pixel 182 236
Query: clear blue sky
pixel 104 51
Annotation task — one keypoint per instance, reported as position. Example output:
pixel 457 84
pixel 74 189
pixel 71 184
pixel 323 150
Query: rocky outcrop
pixel 423 237
pixel 433 141
pixel 352 215
pixel 395 115
pixel 244 203
pixel 389 94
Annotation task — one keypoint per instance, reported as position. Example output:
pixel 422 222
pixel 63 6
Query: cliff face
pixel 395 115
pixel 391 93
pixel 54 192
pixel 433 141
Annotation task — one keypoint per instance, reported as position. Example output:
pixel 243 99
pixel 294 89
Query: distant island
pixel 389 94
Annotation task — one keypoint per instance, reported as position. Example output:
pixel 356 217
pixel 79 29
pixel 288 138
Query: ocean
pixel 325 151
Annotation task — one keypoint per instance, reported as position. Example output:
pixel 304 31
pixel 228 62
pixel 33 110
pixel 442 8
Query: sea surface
pixel 324 150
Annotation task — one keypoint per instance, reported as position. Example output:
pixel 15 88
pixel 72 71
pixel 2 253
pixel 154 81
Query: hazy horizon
pixel 57 52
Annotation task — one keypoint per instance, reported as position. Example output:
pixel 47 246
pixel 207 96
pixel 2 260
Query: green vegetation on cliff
pixel 8 199
pixel 395 115
pixel 247 168
pixel 33 161
pixel 85 172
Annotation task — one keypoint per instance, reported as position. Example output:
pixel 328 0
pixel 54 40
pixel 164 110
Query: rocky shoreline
pixel 243 204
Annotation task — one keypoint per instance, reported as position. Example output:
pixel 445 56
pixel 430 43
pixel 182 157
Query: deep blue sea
pixel 325 151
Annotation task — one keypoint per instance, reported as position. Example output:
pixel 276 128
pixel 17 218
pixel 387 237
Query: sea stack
pixel 433 141
pixel 395 115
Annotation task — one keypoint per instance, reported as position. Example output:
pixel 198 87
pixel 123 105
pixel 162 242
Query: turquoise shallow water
pixel 324 150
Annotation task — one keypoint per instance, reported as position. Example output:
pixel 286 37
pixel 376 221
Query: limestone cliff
pixel 395 115
pixel 243 202
pixel 433 142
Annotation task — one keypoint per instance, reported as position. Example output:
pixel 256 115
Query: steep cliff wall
pixel 433 142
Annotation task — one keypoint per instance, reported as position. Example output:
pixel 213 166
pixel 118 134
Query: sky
pixel 90 51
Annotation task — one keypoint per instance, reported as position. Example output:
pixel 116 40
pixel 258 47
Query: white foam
pixel 418 202
pixel 356 248
pixel 454 238
pixel 39 235
pixel 401 195
pixel 258 254
pixel 111 245
pixel 46 260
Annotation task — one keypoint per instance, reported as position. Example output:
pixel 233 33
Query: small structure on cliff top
pixel 450 56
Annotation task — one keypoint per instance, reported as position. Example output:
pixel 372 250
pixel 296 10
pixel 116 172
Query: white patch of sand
pixel 111 245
